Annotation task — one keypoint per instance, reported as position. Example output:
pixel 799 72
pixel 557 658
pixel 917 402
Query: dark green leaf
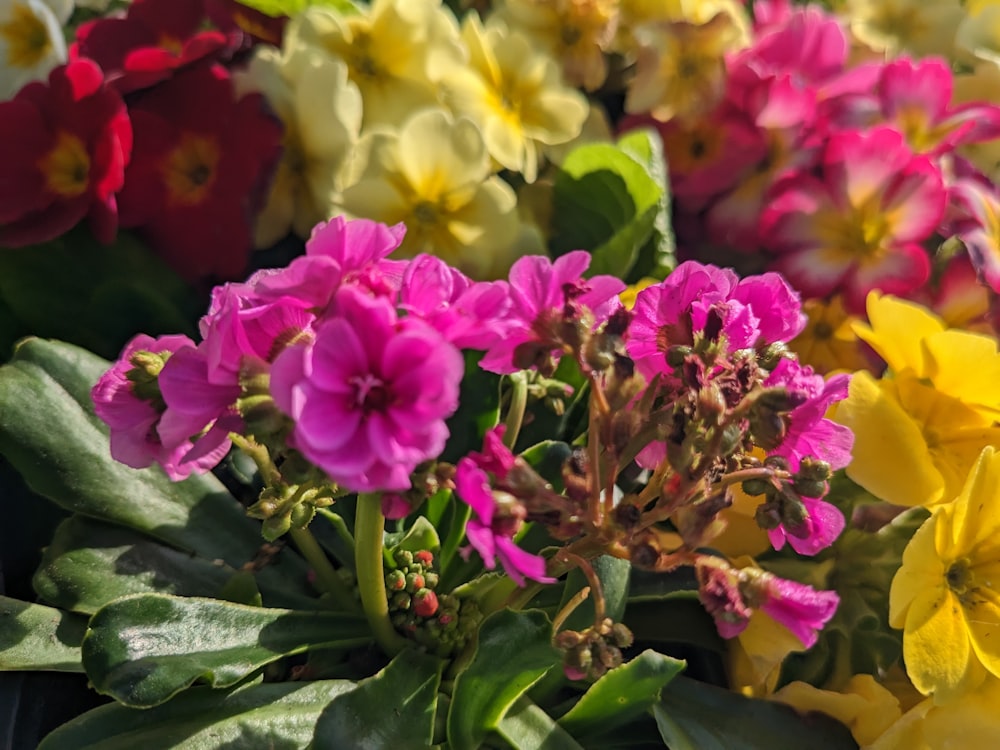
pixel 527 727
pixel 394 709
pixel 681 619
pixel 279 716
pixel 144 649
pixel 613 572
pixel 621 695
pixel 514 651
pixel 49 432
pixel 36 637
pixel 657 256
pixel 547 458
pixel 478 411
pixel 693 715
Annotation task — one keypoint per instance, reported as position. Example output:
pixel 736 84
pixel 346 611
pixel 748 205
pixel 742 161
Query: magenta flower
pixel 859 224
pixel 800 608
pixel 127 398
pixel 542 292
pixel 370 395
pixel 492 528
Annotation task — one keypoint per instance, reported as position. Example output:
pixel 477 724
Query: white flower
pixel 31 41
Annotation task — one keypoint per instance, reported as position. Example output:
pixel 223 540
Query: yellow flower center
pixel 189 170
pixel 426 213
pixel 26 36
pixel 66 166
pixel 959 577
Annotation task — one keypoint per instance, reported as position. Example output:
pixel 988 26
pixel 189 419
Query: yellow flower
pixel 913 444
pixel 828 343
pixel 575 32
pixel 321 113
pixel 946 594
pixel 960 364
pixel 31 41
pixel 981 85
pixel 680 69
pixel 863 705
pixel 434 175
pixel 395 51
pixel 922 27
pixel 755 656
pixel 635 13
pixel 978 34
pixel 515 93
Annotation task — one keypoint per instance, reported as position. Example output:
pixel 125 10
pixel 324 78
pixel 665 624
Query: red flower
pixel 201 164
pixel 63 151
pixel 151 41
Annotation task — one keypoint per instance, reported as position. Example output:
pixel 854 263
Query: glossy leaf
pixel 49 432
pixel 657 257
pixel 144 649
pixel 621 695
pixel 694 715
pixel 513 652
pixel 281 716
pixel 527 727
pixel 395 708
pixel 36 637
pixel 478 410
pixel 613 572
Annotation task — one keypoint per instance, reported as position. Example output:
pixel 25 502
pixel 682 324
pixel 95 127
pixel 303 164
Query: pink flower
pixel 859 224
pixel 978 226
pixel 800 608
pixel 543 292
pixel 820 529
pixel 370 395
pixel 491 530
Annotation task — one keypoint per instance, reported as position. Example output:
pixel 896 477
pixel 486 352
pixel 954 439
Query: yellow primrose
pixel 946 595
pixel 980 85
pixel 434 175
pixel 321 113
pixel 828 343
pixel 515 92
pixel 913 444
pixel 31 41
pixel 575 32
pixel 960 364
pixel 862 705
pixel 921 27
pixel 680 69
pixel 395 51
pixel 978 34
pixel 635 13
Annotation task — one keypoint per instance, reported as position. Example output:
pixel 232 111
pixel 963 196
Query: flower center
pixel 371 393
pixel 959 577
pixel 67 166
pixel 26 36
pixel 822 330
pixel 189 170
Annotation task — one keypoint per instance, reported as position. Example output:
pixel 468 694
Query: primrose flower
pixel 577 33
pixel 498 515
pixel 320 110
pixel 860 225
pixel 64 146
pixel 370 395
pixel 515 93
pixel 944 595
pixel 395 51
pixel 31 41
pixel 202 159
pixel 435 177
pixel 828 343
pixel 922 27
pixel 542 293
pixel 981 234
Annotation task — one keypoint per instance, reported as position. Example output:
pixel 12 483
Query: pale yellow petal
pixel 936 646
pixel 921 571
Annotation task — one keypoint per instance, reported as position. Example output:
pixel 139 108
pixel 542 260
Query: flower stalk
pixel 369 527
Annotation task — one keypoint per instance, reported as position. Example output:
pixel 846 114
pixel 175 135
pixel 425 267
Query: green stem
pixel 260 455
pixel 515 412
pixel 326 576
pixel 369 527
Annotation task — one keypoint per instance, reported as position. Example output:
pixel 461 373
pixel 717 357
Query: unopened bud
pixel 767 428
pixel 400 601
pixel 403 558
pixel 756 486
pixel 414 581
pixel 677 353
pixel 424 557
pixel 809 487
pixel 425 603
pixel 621 636
pixel 431 580
pixel 768 516
pixel 794 516
pixel 813 468
pixel 780 399
pixel 772 355
pixel 395 580
pixel 711 403
pixel 732 436
pixel 566 639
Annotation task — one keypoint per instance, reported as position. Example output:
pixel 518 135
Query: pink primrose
pixel 800 608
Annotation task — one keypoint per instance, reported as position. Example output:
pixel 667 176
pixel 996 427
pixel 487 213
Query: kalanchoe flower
pixel 543 295
pixel 498 516
pixel 64 146
pixel 128 398
pixel 369 397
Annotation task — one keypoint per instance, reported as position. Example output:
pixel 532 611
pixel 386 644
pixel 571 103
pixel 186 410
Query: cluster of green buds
pixel 285 507
pixel 442 624
pixel 591 652
pixel 783 492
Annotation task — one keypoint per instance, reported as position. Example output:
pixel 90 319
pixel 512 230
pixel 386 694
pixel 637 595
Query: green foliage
pixel 33 636
pixel 527 727
pixel 613 200
pixel 144 649
pixel 291 7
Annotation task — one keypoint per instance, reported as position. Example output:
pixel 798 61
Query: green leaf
pixel 547 458
pixel 36 637
pixel 609 201
pixel 528 727
pixel 478 410
pixel 50 434
pixel 621 695
pixel 98 296
pixel 291 7
pixel 657 257
pixel 281 716
pixel 394 708
pixel 421 535
pixel 144 649
pixel 679 620
pixel 514 651
pixel 694 715
pixel 613 572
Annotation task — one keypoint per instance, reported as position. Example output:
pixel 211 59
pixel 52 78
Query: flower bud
pixel 400 601
pixel 677 353
pixel 425 603
pixel 567 639
pixel 767 428
pixel 403 558
pixel 395 580
pixel 414 581
pixel 621 636
pixel 431 580
pixel 756 486
pixel 772 354
pixel 424 557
